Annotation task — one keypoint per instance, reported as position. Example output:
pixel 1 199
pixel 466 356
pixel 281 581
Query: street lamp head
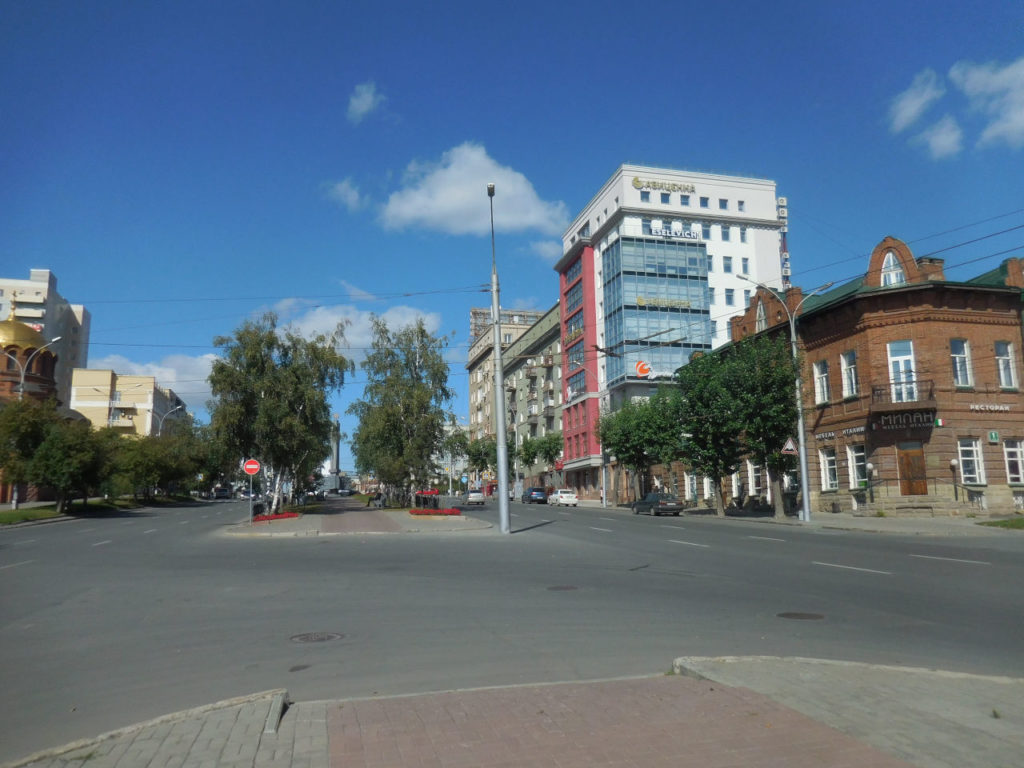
pixel 490 190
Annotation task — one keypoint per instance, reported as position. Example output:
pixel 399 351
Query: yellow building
pixel 134 405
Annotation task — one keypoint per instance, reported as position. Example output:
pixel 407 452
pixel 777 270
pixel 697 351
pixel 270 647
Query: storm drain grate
pixel 562 588
pixel 801 616
pixel 316 637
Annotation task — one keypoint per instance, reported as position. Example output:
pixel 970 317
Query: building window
pixel 574 271
pixel 727 264
pixel 723 204
pixel 848 361
pixel 746 297
pixel 960 353
pixel 745 265
pixel 762 319
pixel 711 263
pixel 705 202
pixel 705 231
pixel 666 198
pixel 725 233
pixel 892 272
pixel 972 468
pixel 858 462
pixel 574 298
pixel 684 200
pixel 829 470
pixel 1013 452
pixel 714 329
pixel 902 379
pixel 1005 369
pixel 711 294
pixel 645 196
pixel 821 382
pixel 730 297
pixel 741 206
pixel 743 234
pixel 506 338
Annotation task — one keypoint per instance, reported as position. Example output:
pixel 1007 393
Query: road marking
pixel 609 519
pixel 952 559
pixel 852 568
pixel 183 522
pixel 674 527
pixel 765 538
pixel 86 530
pixel 606 530
pixel 688 543
pixel 23 541
pixel 101 543
pixel 564 513
pixel 15 565
pixel 151 530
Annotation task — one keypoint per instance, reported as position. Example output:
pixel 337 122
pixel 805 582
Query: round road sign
pixel 251 467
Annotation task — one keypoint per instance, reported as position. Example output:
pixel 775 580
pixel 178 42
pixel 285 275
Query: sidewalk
pixel 717 713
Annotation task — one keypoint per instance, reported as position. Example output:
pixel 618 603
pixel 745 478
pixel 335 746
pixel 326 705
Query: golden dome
pixel 18 334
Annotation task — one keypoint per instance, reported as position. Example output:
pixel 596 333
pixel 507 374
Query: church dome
pixel 20 335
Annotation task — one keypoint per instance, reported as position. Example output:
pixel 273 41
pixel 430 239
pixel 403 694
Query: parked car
pixel 565 497
pixel 658 504
pixel 535 496
pixel 475 496
pixel 222 492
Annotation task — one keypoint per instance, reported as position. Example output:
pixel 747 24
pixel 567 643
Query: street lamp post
pixel 160 424
pixel 499 385
pixel 22 372
pixel 805 493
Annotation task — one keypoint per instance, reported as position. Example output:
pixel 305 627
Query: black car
pixel 535 496
pixel 658 504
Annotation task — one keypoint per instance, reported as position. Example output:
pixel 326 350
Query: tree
pixel 644 433
pixel 767 405
pixel 270 388
pixel 23 426
pixel 70 458
pixel 482 454
pixel 404 406
pixel 454 446
pixel 711 420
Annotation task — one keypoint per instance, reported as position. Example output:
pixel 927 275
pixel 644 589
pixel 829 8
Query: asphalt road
pixel 105 622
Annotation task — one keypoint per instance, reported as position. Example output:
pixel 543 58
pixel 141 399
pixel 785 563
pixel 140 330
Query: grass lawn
pixel 11 516
pixel 93 507
pixel 1013 522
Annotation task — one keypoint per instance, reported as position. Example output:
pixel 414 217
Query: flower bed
pixel 278 516
pixel 422 511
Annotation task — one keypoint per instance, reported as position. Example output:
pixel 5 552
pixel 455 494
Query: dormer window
pixel 892 272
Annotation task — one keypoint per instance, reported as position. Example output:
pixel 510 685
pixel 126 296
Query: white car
pixel 475 497
pixel 565 497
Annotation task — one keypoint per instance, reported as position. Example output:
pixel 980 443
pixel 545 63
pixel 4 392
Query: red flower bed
pixel 450 511
pixel 278 516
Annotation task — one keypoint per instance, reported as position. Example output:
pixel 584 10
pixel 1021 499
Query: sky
pixel 182 167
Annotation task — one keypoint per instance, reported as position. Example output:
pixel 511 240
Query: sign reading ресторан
pixel 997 407
pixel 667 186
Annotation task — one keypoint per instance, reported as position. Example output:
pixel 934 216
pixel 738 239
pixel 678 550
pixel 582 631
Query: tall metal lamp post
pixel 805 492
pixel 160 424
pixel 499 385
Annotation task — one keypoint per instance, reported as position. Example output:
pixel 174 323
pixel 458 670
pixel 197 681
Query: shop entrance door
pixel 910 461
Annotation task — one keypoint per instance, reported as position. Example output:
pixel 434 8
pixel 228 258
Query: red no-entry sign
pixel 251 467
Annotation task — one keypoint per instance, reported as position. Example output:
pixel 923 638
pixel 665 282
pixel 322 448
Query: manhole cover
pixel 801 616
pixel 316 637
pixel 562 588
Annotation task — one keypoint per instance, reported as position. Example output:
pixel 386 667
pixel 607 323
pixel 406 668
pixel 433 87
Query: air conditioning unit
pixel 785 255
pixel 784 229
pixel 782 202
pixel 786 272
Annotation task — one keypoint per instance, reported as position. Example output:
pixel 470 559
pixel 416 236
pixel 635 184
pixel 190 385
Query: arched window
pixel 762 320
pixel 892 272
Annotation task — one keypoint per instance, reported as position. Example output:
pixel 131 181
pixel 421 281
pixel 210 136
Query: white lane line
pixel 101 543
pixel 952 559
pixel 151 530
pixel 564 513
pixel 15 565
pixel 606 530
pixel 852 568
pixel 183 522
pixel 765 538
pixel 674 527
pixel 609 519
pixel 688 543
pixel 86 530
pixel 24 541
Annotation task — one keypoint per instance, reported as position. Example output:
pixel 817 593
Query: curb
pixel 278 697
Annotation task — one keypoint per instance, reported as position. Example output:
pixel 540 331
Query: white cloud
pixel 549 250
pixel 363 101
pixel 998 92
pixel 356 293
pixel 908 106
pixel 942 139
pixel 346 193
pixel 186 375
pixel 451 196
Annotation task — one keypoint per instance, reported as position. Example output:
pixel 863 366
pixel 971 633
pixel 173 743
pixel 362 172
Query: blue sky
pixel 184 166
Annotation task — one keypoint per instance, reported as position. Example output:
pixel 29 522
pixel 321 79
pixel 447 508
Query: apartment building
pixel 134 405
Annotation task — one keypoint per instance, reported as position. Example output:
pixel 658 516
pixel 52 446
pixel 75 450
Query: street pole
pixel 499 385
pixel 160 423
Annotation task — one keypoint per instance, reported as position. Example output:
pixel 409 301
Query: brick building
pixel 911 386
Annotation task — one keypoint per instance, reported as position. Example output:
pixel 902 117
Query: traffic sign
pixel 251 467
pixel 789 448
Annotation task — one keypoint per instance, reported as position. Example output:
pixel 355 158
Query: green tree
pixel 482 454
pixel 644 433
pixel 70 458
pixel 404 406
pixel 23 427
pixel 767 405
pixel 454 446
pixel 711 419
pixel 271 388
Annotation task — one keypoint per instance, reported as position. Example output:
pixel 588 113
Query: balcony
pixel 531 371
pixel 533 394
pixel 550 411
pixel 123 421
pixel 915 395
pixel 548 360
